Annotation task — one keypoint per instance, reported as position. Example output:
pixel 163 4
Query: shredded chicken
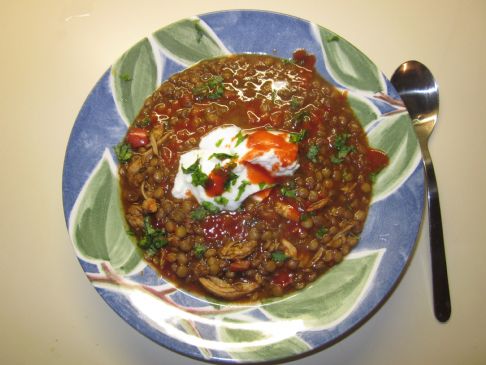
pixel 317 205
pixel 237 250
pixel 289 248
pixel 222 289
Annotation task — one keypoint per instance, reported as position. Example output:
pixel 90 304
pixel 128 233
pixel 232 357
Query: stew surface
pixel 246 177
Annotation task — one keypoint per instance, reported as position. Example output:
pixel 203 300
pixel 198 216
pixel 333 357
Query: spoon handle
pixel 440 281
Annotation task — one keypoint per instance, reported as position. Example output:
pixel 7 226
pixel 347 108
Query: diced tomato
pixel 282 278
pixel 304 59
pixel 137 137
pixel 239 265
pixel 377 159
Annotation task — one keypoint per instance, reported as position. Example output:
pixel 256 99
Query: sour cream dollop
pixel 231 164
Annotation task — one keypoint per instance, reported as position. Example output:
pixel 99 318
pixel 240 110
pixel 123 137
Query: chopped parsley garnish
pixel 241 189
pixel 153 239
pixel 221 200
pixel 143 123
pixel 125 77
pixel 199 250
pixel 204 210
pixel 212 89
pixel 199 178
pixel 290 193
pixel 262 185
pixel 295 103
pixel 301 116
pixel 210 207
pixel 305 216
pixel 199 31
pixel 321 232
pixel 279 256
pixel 218 143
pixel 123 152
pixel 223 156
pixel 342 148
pixel 230 181
pixel 199 213
pixel 240 138
pixel 297 137
pixel 312 153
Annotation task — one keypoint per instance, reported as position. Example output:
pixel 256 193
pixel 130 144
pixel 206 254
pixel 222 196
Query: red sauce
pixel 224 225
pixel 263 141
pixel 215 184
pixel 257 174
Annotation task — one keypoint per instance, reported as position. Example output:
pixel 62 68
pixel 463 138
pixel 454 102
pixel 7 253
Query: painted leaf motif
pixel 331 297
pixel 97 225
pixel 394 134
pixel 349 66
pixel 281 349
pixel 189 41
pixel 134 79
pixel 365 110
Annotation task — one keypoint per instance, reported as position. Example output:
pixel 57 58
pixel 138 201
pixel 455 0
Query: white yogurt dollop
pixel 242 152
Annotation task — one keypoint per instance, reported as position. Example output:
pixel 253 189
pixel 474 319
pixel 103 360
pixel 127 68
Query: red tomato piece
pixel 239 265
pixel 137 137
pixel 283 278
pixel 377 159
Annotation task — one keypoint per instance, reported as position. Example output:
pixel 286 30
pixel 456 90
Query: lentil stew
pixel 310 195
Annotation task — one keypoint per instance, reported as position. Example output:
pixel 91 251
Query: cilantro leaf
pixel 279 256
pixel 241 189
pixel 312 153
pixel 210 207
pixel 212 89
pixel 223 156
pixel 199 178
pixel 218 143
pixel 123 152
pixel 199 250
pixel 297 137
pixel 221 200
pixel 230 181
pixel 290 193
pixel 199 213
pixel 153 239
pixel 295 103
pixel 341 147
pixel 240 138
pixel 321 232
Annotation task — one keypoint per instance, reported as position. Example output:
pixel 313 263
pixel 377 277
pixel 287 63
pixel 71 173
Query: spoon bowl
pixel 420 93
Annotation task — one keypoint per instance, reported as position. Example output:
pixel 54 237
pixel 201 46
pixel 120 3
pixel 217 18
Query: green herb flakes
pixel 199 250
pixel 153 239
pixel 221 200
pixel 123 152
pixel 312 153
pixel 240 137
pixel 297 137
pixel 199 178
pixel 279 256
pixel 223 156
pixel 241 189
pixel 290 193
pixel 321 232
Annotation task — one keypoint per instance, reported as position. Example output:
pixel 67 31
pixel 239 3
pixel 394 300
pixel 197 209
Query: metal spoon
pixel 420 93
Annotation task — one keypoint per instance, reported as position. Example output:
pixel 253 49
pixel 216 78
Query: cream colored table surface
pixel 52 54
